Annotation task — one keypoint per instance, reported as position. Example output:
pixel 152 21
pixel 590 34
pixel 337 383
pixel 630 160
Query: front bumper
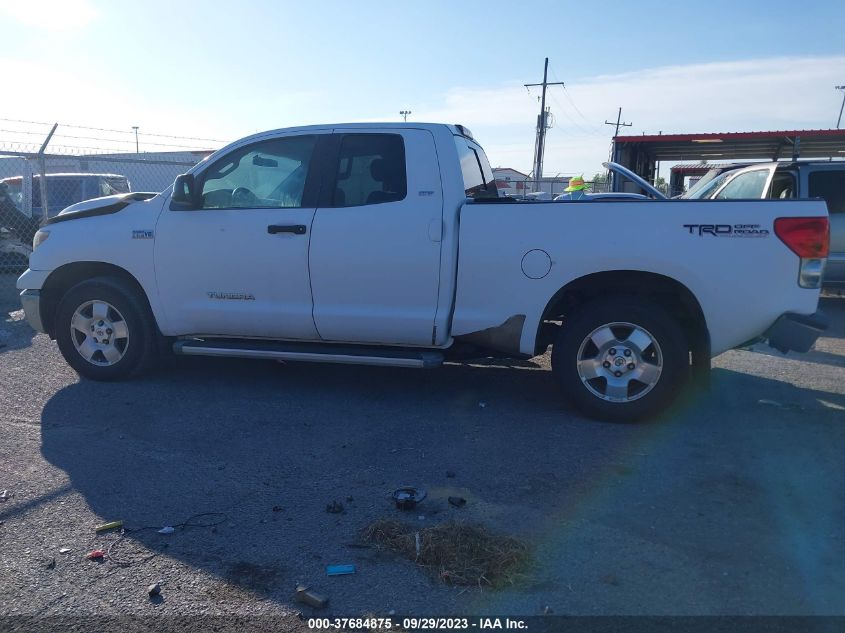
pixel 796 332
pixel 31 302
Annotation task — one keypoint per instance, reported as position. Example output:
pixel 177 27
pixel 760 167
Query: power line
pixel 96 138
pixel 570 119
pixel 103 129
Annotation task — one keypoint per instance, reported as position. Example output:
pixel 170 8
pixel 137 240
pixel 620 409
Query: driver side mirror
pixel 184 196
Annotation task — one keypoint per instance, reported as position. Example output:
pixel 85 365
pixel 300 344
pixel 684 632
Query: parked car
pixel 16 233
pixel 790 180
pixel 340 243
pixel 64 190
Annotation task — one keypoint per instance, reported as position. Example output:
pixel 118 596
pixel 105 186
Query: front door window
pixel 267 175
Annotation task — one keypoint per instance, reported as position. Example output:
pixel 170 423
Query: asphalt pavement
pixel 731 503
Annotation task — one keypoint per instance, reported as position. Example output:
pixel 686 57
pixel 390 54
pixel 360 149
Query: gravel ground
pixel 732 503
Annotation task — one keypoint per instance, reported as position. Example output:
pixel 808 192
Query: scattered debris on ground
pixel 167 529
pixel 111 525
pixel 458 553
pixel 153 590
pixel 96 554
pixel 458 502
pixel 407 497
pixel 780 405
pixel 339 570
pixel 335 507
pixel 305 595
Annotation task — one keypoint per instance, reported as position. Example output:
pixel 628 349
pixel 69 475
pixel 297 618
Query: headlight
pixel 40 236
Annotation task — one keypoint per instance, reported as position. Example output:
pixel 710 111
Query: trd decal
pixel 236 296
pixel 727 230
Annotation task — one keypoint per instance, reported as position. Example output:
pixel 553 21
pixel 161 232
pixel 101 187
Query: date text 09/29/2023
pixel 418 623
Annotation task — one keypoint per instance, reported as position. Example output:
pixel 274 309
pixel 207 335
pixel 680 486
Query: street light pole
pixel 135 127
pixel 405 114
pixel 842 107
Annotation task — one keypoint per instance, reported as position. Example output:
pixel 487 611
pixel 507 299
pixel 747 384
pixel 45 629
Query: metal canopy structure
pixel 641 153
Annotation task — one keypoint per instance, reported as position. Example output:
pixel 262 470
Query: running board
pixel 309 353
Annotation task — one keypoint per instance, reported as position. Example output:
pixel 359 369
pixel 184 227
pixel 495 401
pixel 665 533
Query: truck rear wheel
pixel 105 331
pixel 621 359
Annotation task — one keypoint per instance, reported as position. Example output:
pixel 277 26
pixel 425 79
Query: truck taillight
pixel 809 238
pixel 806 237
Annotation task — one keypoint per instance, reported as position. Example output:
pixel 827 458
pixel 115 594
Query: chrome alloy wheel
pixel 99 333
pixel 619 362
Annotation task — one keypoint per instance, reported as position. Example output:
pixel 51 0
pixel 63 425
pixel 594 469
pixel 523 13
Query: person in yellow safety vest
pixel 576 190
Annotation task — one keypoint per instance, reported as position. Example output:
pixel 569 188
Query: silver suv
pixel 799 179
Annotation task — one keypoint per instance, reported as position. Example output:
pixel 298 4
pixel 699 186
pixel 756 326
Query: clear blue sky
pixel 233 68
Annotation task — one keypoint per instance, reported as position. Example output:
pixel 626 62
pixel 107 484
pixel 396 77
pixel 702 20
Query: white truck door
pixel 375 243
pixel 238 264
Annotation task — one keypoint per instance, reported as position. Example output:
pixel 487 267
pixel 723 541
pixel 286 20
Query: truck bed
pixel 725 252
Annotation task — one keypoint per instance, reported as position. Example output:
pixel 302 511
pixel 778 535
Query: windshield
pixel 703 191
pixel 706 178
pixel 748 185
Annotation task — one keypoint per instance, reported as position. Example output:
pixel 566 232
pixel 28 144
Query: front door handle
pixel 297 229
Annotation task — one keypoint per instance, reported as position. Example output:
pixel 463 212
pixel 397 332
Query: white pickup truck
pixel 387 244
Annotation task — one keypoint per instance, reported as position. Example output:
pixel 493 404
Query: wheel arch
pixel 68 275
pixel 674 296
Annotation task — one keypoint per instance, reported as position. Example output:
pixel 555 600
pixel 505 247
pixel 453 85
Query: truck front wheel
pixel 621 359
pixel 104 330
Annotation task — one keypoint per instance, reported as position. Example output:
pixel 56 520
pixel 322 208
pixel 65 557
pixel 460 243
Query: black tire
pixel 141 342
pixel 641 400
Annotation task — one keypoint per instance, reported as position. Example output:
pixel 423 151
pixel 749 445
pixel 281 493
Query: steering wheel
pixel 243 197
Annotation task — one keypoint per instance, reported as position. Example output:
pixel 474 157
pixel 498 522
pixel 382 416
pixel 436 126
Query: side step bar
pixel 309 352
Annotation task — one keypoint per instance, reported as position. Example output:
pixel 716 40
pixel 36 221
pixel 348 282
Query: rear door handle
pixel 297 229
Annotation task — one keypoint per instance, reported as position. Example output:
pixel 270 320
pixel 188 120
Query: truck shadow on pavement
pixel 270 446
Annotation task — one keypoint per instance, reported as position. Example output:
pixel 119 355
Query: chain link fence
pixel 35 186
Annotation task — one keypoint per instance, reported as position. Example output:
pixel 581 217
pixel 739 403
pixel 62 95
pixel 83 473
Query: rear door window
pixel 830 185
pixel 370 170
pixel 784 185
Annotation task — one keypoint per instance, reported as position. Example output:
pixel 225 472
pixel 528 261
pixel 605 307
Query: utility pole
pixel 405 114
pixel 542 123
pixel 618 123
pixel 842 107
pixel 135 127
